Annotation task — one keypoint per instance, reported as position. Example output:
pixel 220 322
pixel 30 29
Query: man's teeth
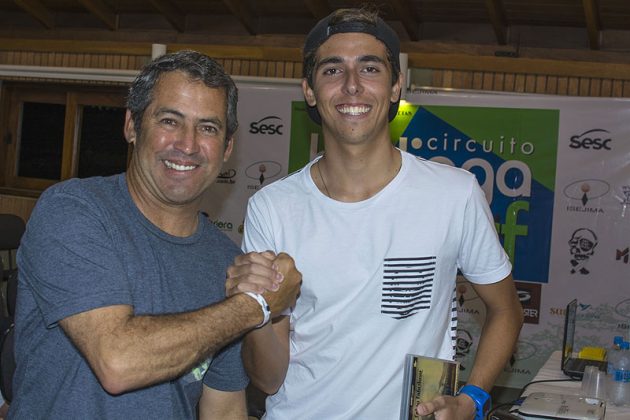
pixel 172 165
pixel 354 109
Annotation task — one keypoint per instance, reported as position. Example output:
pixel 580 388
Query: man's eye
pixel 208 129
pixel 168 121
pixel 331 71
pixel 371 69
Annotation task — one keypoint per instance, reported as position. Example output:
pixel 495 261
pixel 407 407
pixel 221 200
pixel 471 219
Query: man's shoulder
pixel 84 187
pixel 440 170
pixel 75 196
pixel 288 184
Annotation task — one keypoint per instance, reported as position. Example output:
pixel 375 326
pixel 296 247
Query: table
pixel 551 371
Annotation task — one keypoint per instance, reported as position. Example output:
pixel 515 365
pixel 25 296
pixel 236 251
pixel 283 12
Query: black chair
pixel 5 320
pixel 7 364
pixel 11 230
pixel 7 357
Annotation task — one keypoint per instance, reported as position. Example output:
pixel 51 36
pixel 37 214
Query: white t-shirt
pixel 378 282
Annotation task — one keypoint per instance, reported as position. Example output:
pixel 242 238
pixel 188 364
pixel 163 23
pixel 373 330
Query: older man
pixel 121 307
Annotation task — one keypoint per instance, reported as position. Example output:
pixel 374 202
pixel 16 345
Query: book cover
pixel 424 379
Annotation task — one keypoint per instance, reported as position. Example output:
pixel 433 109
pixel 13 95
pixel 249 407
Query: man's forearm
pixel 222 405
pixel 496 346
pixel 266 356
pixel 136 351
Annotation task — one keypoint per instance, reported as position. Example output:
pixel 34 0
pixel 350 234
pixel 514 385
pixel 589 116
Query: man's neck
pixel 352 174
pixel 178 221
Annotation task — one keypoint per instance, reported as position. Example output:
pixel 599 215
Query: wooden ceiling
pixel 572 24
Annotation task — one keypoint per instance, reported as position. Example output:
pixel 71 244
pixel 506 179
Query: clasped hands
pixel 273 276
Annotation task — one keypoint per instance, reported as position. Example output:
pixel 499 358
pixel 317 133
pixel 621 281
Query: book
pixel 424 379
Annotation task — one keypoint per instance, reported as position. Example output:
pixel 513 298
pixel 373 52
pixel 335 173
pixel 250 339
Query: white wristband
pixel 263 305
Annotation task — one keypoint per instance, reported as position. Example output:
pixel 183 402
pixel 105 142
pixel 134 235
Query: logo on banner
pixel 261 172
pixel 227 176
pixel 529 296
pixel 623 255
pixel 584 191
pixel 223 225
pixel 595 139
pixel 463 344
pixel 582 247
pixel 624 198
pixel 523 352
pixel 270 125
pixel 623 308
pixel 465 297
pixel 512 152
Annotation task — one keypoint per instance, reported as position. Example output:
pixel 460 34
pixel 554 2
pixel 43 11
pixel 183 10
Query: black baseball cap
pixel 381 31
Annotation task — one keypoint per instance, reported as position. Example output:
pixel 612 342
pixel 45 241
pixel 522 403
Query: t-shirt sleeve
pixel 258 233
pixel 67 258
pixel 226 371
pixel 481 256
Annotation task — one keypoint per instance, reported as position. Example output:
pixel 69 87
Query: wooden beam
pixel 318 8
pixel 240 10
pixel 174 16
pixel 496 13
pixel 75 47
pixel 593 25
pixel 102 11
pixel 599 64
pixel 37 10
pixel 408 17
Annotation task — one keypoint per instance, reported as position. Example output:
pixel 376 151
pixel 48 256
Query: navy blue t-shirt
pixel 88 246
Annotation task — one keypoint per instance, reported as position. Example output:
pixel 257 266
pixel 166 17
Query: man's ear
pixel 129 128
pixel 309 95
pixel 397 88
pixel 228 149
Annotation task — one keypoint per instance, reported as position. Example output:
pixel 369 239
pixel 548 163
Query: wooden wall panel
pixel 531 83
pixel 509 81
pixel 551 85
pixel 22 206
pixel 498 82
pixel 59 59
pixel 442 78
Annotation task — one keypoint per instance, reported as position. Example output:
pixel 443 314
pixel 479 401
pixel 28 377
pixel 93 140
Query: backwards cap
pixel 381 31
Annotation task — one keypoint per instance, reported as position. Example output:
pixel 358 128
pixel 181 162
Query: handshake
pixel 272 276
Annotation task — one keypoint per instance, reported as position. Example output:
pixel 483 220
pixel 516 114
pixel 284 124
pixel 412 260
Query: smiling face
pixel 181 147
pixel 352 87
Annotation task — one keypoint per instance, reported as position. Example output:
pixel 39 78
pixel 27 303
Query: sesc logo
pixel 595 139
pixel 268 125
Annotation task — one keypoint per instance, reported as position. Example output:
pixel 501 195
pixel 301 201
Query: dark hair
pixel 363 20
pixel 199 67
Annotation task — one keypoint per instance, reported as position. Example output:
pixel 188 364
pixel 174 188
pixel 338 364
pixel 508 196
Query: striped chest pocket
pixel 407 286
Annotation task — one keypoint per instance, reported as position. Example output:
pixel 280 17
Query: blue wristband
pixel 480 397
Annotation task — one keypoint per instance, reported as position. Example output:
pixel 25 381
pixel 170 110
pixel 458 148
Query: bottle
pixel 619 370
pixel 613 353
pixel 617 340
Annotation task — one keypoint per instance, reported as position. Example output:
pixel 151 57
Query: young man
pixel 121 307
pixel 378 236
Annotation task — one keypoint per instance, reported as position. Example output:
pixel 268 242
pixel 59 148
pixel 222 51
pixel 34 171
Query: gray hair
pixel 199 67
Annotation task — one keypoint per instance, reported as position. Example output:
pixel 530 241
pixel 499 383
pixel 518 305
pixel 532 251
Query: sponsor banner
pixel 261 152
pixel 529 296
pixel 573 219
pixel 512 151
pixel 555 171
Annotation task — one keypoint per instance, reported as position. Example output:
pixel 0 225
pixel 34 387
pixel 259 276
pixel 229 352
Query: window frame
pixel 74 97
